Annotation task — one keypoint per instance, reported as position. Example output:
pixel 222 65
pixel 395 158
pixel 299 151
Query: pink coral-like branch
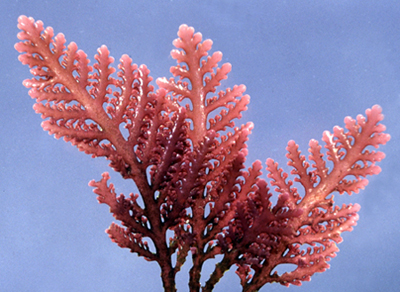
pixel 320 224
pixel 195 66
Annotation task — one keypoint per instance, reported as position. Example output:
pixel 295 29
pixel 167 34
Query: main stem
pixel 195 273
pixel 167 275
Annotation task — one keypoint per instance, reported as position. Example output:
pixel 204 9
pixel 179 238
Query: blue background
pixel 306 65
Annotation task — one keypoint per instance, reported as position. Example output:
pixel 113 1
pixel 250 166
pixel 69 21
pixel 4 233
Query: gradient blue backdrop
pixel 306 65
